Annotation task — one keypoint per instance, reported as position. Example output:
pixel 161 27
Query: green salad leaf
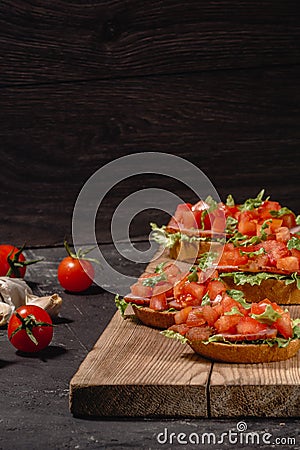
pixel 281 212
pixel 269 316
pixel 152 281
pixel 174 335
pixel 252 203
pixel 121 304
pixel 205 300
pixel 207 260
pixel 294 242
pixel 239 296
pixel 261 251
pixel 230 201
pixel 233 312
pixel 160 267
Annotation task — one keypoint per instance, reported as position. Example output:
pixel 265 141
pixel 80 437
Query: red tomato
pixel 227 324
pixel 248 325
pixel 284 325
pixel 246 225
pixel 231 256
pixel 181 316
pixel 75 275
pixel 5 250
pixel 283 234
pixel 289 220
pixel 275 250
pixel 214 288
pixel 266 207
pixel 195 289
pixel 210 314
pixel 289 263
pixel 30 320
pixel 195 318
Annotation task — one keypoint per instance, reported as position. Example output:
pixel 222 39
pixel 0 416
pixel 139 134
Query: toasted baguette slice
pixel 275 290
pixel 155 319
pixel 245 353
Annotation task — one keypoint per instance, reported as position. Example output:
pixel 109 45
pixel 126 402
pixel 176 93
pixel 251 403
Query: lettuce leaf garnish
pixel 121 304
pixel 239 296
pixel 241 278
pixel 294 242
pixel 252 203
pixel 174 335
pixel 269 316
pixel 281 212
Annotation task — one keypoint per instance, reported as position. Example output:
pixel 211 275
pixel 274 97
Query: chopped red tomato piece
pixel 195 289
pixel 181 316
pixel 195 318
pixel 214 288
pixel 231 256
pixel 284 325
pixel 227 324
pixel 289 263
pixel 275 250
pixel 249 325
pixel 210 314
pixel 283 234
pixel 289 220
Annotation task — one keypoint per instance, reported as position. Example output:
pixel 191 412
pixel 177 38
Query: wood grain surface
pixel 65 40
pixel 242 131
pixel 266 390
pixel 133 371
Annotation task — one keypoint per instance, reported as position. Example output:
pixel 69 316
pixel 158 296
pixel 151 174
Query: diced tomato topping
pixel 284 325
pixel 266 207
pixel 158 302
pixel 289 263
pixel 218 309
pixel 214 288
pixel 246 225
pixel 227 324
pixel 259 308
pixel 181 316
pixel 283 234
pixel 275 250
pixel 295 253
pixel 289 220
pixel 249 325
pixel 195 318
pixel 228 303
pixel 195 289
pixel 231 256
pixel 210 314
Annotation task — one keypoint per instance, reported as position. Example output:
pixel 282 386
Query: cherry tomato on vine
pixel 30 329
pixel 75 272
pixel 12 261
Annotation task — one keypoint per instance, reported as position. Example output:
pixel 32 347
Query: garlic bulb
pixel 14 292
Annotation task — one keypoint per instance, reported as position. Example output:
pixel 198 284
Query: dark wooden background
pixel 82 83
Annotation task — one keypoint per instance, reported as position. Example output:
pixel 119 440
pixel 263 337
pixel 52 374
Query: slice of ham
pixel 265 334
pixel 142 301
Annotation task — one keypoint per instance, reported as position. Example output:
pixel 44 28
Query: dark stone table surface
pixel 34 402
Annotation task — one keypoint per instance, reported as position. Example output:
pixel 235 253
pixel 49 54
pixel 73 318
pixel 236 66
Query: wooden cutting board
pixel 134 371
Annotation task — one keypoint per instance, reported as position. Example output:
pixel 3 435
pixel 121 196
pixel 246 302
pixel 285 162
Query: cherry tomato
pixel 75 272
pixel 30 329
pixel 12 261
pixel 75 275
pixel 5 250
